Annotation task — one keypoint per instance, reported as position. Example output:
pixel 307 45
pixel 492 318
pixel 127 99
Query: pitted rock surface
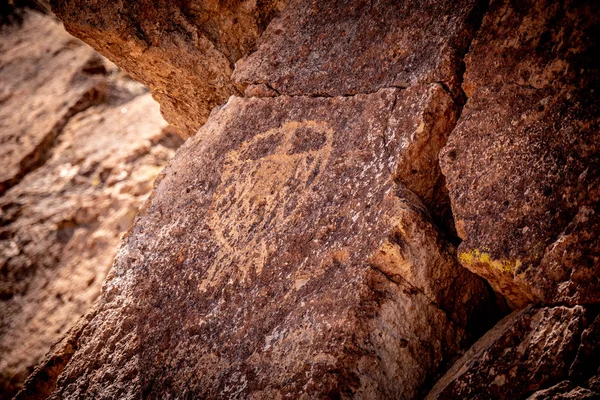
pixel 183 51
pixel 545 353
pixel 279 257
pixel 522 165
pixel 339 48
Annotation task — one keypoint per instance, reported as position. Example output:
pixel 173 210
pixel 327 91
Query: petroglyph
pixel 263 182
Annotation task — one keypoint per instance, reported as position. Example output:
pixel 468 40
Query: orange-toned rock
pixel 40 64
pixel 183 51
pixel 60 224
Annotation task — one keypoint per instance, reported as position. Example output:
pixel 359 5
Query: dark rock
pixel 279 257
pixel 183 51
pixel 523 165
pixel 564 391
pixel 526 352
pixel 338 47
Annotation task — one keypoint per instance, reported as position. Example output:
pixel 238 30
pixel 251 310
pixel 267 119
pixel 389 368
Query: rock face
pixel 542 352
pixel 339 48
pixel 524 178
pixel 287 261
pixel 183 51
pixel 299 245
pixel 61 223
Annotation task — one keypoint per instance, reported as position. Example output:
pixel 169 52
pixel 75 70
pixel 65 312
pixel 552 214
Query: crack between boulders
pixel 318 95
pixel 42 152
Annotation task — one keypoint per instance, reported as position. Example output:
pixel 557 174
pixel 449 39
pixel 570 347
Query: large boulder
pixel 60 224
pixel 522 165
pixel 279 256
pixel 183 51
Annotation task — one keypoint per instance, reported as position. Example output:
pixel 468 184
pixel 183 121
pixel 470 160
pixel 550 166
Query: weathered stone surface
pixel 338 47
pixel 586 367
pixel 565 390
pixel 279 257
pixel 183 51
pixel 28 83
pixel 523 164
pixel 60 225
pixel 527 353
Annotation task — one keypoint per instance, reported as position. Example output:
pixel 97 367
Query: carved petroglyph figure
pixel 261 187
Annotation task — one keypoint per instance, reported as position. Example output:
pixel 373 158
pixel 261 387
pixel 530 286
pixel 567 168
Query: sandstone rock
pixel 339 48
pixel 60 225
pixel 523 165
pixel 28 83
pixel 279 256
pixel 530 352
pixel 183 51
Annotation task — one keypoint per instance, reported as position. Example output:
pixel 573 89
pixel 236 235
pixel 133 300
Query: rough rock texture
pixel 564 390
pixel 280 257
pixel 28 84
pixel 184 51
pixel 523 165
pixel 339 47
pixel 548 353
pixel 61 223
pixel 292 249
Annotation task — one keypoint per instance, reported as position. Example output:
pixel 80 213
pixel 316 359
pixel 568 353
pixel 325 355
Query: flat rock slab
pixel 523 164
pixel 544 353
pixel 39 64
pixel 183 51
pixel 278 257
pixel 338 47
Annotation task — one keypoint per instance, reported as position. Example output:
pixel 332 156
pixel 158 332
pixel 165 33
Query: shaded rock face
pixel 544 353
pixel 287 261
pixel 183 51
pixel 329 48
pixel 524 179
pixel 60 224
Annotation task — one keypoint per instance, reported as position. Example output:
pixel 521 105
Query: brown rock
pixel 39 63
pixel 564 391
pixel 523 165
pixel 279 257
pixel 586 367
pixel 527 352
pixel 60 225
pixel 183 51
pixel 339 48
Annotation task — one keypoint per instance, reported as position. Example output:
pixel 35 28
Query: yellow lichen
pixel 475 256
